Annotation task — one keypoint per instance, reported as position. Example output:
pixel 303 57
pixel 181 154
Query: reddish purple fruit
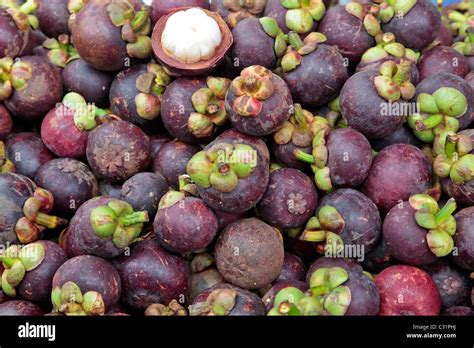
pixel 151 275
pixel 88 277
pixel 379 258
pixel 20 308
pixel 70 181
pixel 157 141
pixel 398 172
pixel 118 150
pixel 199 282
pixel 293 269
pixel 110 189
pixel 92 84
pixel 184 224
pixel 417 27
pixel 226 299
pixel 249 253
pixel 470 79
pixel 15 31
pixel 463 311
pixel 407 290
pixel 402 135
pixel 53 17
pixel 172 159
pixel 258 102
pixel 27 152
pixel 144 191
pixel 464 239
pixel 442 59
pixel 6 123
pixel 290 199
pixel 232 172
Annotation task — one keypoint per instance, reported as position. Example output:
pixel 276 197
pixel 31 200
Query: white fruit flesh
pixel 191 36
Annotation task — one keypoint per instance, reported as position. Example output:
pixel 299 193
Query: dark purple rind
pixel 70 181
pixel 91 273
pixel 361 216
pixel 402 135
pixel 290 199
pixel 260 255
pixel 464 239
pixel 293 269
pixel 398 172
pixel 6 123
pixel 20 308
pixel 285 155
pixel 365 300
pixel 462 311
pixel 53 16
pixel 442 59
pixel 151 275
pixel 12 40
pixel 199 282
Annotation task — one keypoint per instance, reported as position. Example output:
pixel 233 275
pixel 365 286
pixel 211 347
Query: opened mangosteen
pixel 103 227
pixel 398 172
pixel 118 150
pixel 161 8
pixel 85 285
pixel 24 210
pixel 20 308
pixel 452 284
pixel 135 94
pixel 227 300
pixel 6 123
pixel 30 87
pixel 29 270
pixel 191 41
pixel 109 33
pixel 407 290
pixel 16 23
pixel 92 84
pixel 264 47
pixel 235 11
pixel 374 102
pixel 249 253
pixel 463 239
pixel 352 28
pixel 70 181
pixel 232 172
pixel 418 231
pixel 172 159
pixel 351 216
pixel 301 16
pixel 27 153
pixel 442 59
pixel 184 223
pixel 290 199
pixel 258 102
pixel 415 23
pixel 315 73
pixel 144 191
pixel 150 275
pixel 192 109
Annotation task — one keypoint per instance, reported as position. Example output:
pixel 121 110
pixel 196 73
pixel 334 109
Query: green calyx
pixel 209 106
pixel 35 217
pixel 117 220
pixel 460 21
pixel 6 166
pixel 394 83
pixel 391 8
pixel 135 26
pixel 70 300
pixel 151 86
pixel 440 222
pixel 86 115
pixel 14 75
pixel 201 261
pixel 388 47
pixel 242 9
pixel 299 48
pixel 61 51
pixel 300 129
pixel 222 166
pixel 270 26
pixel 334 116
pixel 368 14
pixel 302 14
pixel 438 113
pixel 220 302
pixel 21 14
pixel 174 309
pixel 253 86
pixel 466 47
pixel 327 296
pixel 16 261
pixel 453 157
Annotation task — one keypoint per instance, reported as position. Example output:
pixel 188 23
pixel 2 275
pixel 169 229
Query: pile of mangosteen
pixel 236 157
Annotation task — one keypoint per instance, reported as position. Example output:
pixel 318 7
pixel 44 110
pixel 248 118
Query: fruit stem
pixel 305 157
pixel 295 40
pixel 140 19
pixel 29 6
pixel 8 261
pixel 313 236
pixel 429 123
pixel 446 211
pixel 450 147
pixel 49 221
pixel 134 218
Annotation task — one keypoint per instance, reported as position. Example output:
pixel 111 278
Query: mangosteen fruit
pixel 293 269
pixel 402 135
pixel 442 59
pixel 6 123
pixel 235 11
pixel 258 101
pixel 407 290
pixel 232 172
pixel 53 17
pixel 191 41
pixel 464 257
pixel 20 308
pixel 269 297
pixel 249 253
